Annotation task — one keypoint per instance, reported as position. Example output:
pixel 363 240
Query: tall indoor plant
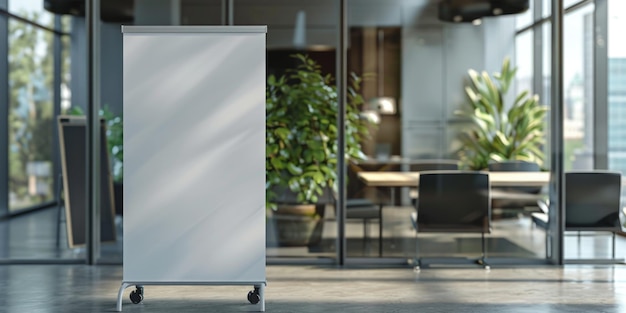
pixel 501 131
pixel 301 136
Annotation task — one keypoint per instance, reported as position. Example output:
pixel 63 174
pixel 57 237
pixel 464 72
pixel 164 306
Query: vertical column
pixel 342 79
pixel 57 48
pixel 557 182
pixel 600 86
pixel 4 111
pixel 92 223
pixel 228 12
pixel 537 49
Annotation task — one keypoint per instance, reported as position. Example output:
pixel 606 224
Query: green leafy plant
pixel 501 131
pixel 301 134
pixel 115 142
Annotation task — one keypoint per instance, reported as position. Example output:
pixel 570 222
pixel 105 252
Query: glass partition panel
pixel 524 61
pixel 377 223
pixel 36 234
pixel 617 86
pixel 30 116
pixel 578 89
pixel 303 222
pixel 617 95
pixel 301 123
pixel 578 123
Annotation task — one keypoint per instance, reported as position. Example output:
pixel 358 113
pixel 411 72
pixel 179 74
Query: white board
pixel 194 145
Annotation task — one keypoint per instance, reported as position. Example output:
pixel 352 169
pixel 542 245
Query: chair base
pixel 367 210
pixel 447 262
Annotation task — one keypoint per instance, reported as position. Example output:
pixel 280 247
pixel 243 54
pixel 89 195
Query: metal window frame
pixel 600 85
pixel 4 111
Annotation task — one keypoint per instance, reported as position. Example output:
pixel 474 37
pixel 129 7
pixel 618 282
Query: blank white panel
pixel 194 167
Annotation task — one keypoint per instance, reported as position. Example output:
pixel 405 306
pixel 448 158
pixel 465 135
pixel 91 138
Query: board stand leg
pixel 120 294
pixel 262 296
pixel 60 206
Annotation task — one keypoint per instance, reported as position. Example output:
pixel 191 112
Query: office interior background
pixel 401 50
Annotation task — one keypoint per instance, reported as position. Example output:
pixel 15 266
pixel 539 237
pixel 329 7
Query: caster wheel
pixel 136 297
pixel 253 297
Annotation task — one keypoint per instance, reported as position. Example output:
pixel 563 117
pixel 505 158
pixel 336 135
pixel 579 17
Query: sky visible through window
pixel 617 25
pixel 25 8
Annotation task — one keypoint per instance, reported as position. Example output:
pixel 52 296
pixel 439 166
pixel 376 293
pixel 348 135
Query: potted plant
pixel 301 147
pixel 501 131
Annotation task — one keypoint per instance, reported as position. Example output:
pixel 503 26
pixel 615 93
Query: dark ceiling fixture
pixel 111 11
pixel 467 11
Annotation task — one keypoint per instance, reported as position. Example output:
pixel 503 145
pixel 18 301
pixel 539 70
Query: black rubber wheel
pixel 253 297
pixel 136 297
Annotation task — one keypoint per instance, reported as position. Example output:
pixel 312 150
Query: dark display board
pixel 72 134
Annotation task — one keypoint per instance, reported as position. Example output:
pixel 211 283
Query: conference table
pixel 396 180
pixel 496 179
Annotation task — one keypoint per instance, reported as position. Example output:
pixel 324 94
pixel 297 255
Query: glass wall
pixel 30 115
pixel 35 229
pixel 412 84
pixel 31 106
pixel 524 61
pixel 584 121
pixel 578 89
pixel 616 85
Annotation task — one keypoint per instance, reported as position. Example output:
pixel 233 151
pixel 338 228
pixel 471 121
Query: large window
pixel 578 88
pixel 31 103
pixel 31 10
pixel 524 62
pixel 547 5
pixel 617 85
pixel 30 115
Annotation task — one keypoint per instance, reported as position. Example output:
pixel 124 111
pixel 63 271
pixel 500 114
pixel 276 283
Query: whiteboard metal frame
pixel 245 114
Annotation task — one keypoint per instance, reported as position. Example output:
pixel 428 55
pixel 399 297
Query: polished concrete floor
pixel 34 236
pixel 504 288
pixel 573 288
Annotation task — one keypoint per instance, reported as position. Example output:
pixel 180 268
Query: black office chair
pixel 453 201
pixel 362 209
pixel 430 165
pixel 516 198
pixel 366 210
pixel 592 203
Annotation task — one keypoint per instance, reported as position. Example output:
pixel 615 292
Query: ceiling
pixel 119 11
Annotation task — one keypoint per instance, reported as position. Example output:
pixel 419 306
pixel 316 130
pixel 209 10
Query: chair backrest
pixel 433 165
pixel 592 200
pixel 453 201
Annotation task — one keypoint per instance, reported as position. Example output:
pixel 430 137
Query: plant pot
pixel 298 225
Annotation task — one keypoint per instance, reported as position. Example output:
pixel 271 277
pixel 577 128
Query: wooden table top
pixel 497 179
